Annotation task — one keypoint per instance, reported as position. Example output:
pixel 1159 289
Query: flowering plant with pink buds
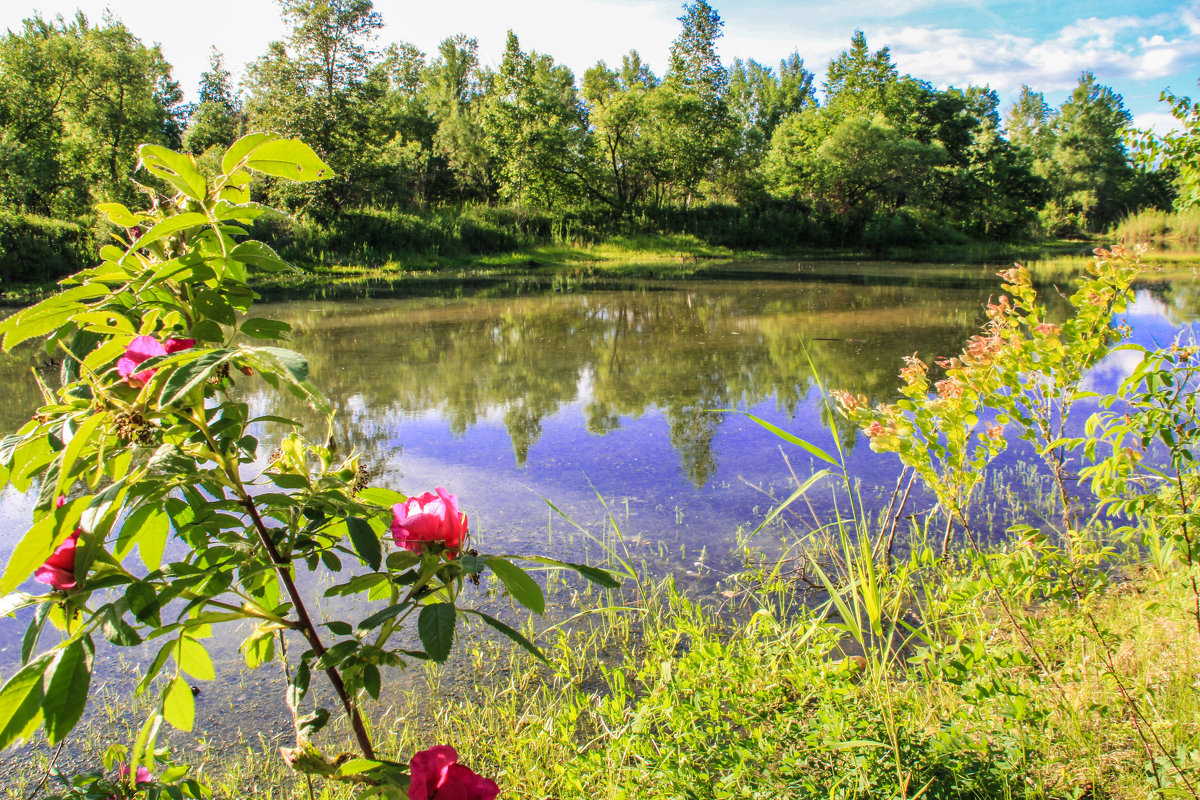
pixel 1020 376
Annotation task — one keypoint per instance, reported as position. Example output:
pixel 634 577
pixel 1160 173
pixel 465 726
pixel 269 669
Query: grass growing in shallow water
pixel 767 693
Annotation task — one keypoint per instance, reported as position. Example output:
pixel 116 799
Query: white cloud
pixel 1108 47
pixel 1158 121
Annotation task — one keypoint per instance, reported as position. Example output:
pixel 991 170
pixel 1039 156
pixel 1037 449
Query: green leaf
pixel 378 496
pixel 147 528
pixel 260 328
pixel 168 226
pixel 435 626
pixel 206 331
pixel 289 158
pixel 510 632
pixel 119 214
pixel 243 147
pixel 812 449
pixel 48 315
pixel 117 630
pixel 79 439
pixel 260 255
pixel 21 700
pixel 601 577
pixel 524 589
pixel 65 685
pixel 177 169
pixel 379 617
pixel 189 375
pixel 194 659
pixel 178 704
pixel 366 542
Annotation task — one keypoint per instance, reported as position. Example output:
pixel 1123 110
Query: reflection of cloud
pixel 1106 377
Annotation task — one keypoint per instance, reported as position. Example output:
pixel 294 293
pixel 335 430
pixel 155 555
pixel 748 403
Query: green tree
pixel 217 119
pixel 859 82
pixel 533 126
pixel 314 85
pixel 635 73
pixel 758 100
pixel 1089 168
pixel 861 167
pixel 1176 151
pixel 1029 123
pixel 453 89
pixel 694 126
pixel 75 100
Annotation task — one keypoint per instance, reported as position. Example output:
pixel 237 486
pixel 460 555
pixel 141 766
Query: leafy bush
pixel 39 249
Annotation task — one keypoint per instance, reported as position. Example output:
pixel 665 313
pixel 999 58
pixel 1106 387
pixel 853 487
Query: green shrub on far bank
pixel 1154 225
pixel 37 249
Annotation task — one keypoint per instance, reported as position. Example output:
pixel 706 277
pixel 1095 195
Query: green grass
pixel 1182 227
pixel 767 691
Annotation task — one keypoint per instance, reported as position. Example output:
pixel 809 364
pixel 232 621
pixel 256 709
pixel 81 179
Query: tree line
pixel 746 154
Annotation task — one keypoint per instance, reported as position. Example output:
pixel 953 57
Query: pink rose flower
pixel 143 776
pixel 437 775
pixel 59 570
pixel 429 518
pixel 142 348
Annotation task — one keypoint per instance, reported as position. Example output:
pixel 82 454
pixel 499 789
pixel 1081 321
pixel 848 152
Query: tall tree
pixel 859 82
pixel 758 100
pixel 1029 123
pixel 533 126
pixel 217 119
pixel 695 128
pixel 314 85
pixel 454 86
pixel 695 66
pixel 75 102
pixel 1089 167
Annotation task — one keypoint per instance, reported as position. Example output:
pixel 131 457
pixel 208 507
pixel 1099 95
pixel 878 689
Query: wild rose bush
pixel 1021 376
pixel 142 442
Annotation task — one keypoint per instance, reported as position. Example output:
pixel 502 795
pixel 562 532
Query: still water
pixel 619 402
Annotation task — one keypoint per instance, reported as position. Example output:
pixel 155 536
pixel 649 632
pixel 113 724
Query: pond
pixel 618 404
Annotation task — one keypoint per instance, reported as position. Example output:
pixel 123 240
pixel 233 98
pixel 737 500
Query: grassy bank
pixel 940 678
pixel 1180 227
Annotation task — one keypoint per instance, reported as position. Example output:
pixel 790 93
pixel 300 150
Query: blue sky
pixel 1136 48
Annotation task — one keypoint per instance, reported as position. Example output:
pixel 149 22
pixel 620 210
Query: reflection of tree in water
pixel 686 351
pixel 1180 298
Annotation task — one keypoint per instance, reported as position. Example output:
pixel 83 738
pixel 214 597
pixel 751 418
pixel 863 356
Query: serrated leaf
pixel 65 686
pixel 260 328
pixel 39 542
pixel 524 589
pixel 435 626
pixel 378 496
pixel 178 705
pixel 379 617
pixel 190 374
pixel 194 659
pixel 288 158
pixel 366 542
pixel 21 700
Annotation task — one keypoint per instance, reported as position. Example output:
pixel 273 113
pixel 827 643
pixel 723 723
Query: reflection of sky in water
pixel 428 390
